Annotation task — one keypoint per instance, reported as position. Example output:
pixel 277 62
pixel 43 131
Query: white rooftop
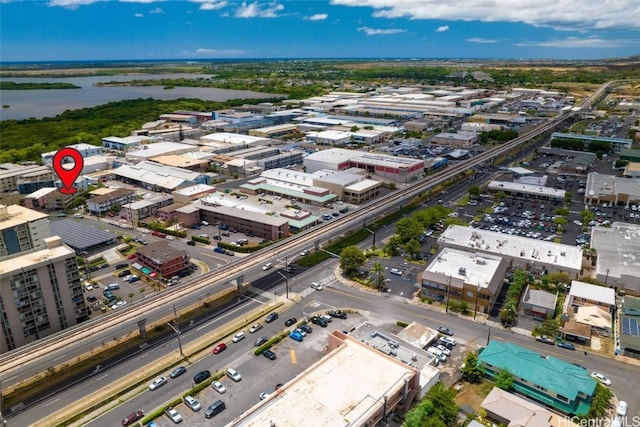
pixel 42 192
pixel 17 215
pixel 618 249
pixel 472 268
pixel 288 177
pixel 592 292
pixel 156 174
pixel 56 249
pixel 527 189
pixel 333 135
pixel 565 257
pixel 233 138
pixel 339 390
pixel 147 151
pixel 195 189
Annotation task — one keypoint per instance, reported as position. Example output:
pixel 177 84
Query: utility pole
pixel 446 310
pixel 177 331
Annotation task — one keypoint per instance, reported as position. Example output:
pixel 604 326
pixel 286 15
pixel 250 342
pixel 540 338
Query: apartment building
pixel 21 229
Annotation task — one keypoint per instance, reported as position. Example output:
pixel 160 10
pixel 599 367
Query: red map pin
pixel 68 176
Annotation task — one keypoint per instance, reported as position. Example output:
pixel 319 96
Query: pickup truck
pixel 545 339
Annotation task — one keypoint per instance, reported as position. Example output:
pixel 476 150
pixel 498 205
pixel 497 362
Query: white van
pixel 437 353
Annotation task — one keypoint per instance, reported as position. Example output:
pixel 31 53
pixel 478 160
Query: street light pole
pixel 177 331
pixel 446 310
pixel 373 244
pixel 475 311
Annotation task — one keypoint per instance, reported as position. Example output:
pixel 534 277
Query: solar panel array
pixel 630 326
pixel 78 235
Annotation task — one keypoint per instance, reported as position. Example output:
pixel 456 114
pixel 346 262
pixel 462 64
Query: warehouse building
pixel 617 248
pixel 157 177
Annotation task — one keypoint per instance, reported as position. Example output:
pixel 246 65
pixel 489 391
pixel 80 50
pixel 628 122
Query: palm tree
pixel 378 274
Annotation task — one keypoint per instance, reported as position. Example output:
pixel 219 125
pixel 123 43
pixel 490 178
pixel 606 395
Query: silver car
pixel 192 403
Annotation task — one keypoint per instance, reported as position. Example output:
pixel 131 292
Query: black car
pixel 123 265
pixel 306 328
pixel 178 371
pixel 319 321
pixel 290 322
pixel 269 354
pixel 445 344
pixel 201 376
pixel 191 243
pixel 445 331
pixel 124 273
pixel 91 298
pixel 271 317
pixel 260 341
pixel 337 314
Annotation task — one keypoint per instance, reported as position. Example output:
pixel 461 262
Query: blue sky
pixel 32 30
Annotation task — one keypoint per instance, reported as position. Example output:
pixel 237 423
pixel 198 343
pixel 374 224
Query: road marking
pixel 102 377
pixel 220 318
pixel 292 353
pixel 52 402
pixel 60 357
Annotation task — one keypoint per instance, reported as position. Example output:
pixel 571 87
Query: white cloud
pixel 481 40
pixel 138 15
pixel 71 4
pixel 156 11
pixel 255 10
pixel 139 1
pixel 219 52
pixel 577 43
pixel 211 4
pixel 379 31
pixel 596 14
pixel 317 17
pixel 442 28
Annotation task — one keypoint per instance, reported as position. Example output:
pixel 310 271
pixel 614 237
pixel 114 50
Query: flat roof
pixel 530 250
pixel 479 269
pixel 168 177
pixel 233 138
pixel 338 390
pixel 55 250
pixel 246 214
pixel 195 189
pixel 19 215
pixel 527 189
pixel 593 292
pixel 334 135
pixel 363 185
pixel 78 235
pixel 160 252
pixel 178 160
pixel 618 247
pixel 147 151
pixel 42 192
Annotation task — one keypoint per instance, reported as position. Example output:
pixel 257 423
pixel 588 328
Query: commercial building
pixel 527 191
pixel 38 199
pixel 87 150
pixel 629 344
pixel 613 190
pixel 348 185
pixel 122 144
pixel 274 131
pixel 617 248
pixel 631 154
pixel 99 204
pixel 561 385
pixel 141 209
pixel 195 192
pixel 41 294
pixel 225 142
pixel 532 255
pixel 148 151
pixel 21 229
pixel 34 180
pixel 617 144
pixel 163 259
pixel 270 227
pixel 363 399
pixel 456 140
pixel 392 168
pixel 475 278
pixel 290 184
pixel 182 161
pixel 156 177
pixel 10 173
pixel 538 303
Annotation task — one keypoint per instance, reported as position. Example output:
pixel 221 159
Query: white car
pixel 157 383
pixel 267 266
pixel 118 304
pixel 598 376
pixel 448 340
pixel 78 215
pixel 218 386
pixel 233 374
pixel 239 336
pixel 622 408
pixel 255 328
pixel 316 285
pixel 173 415
pixel 396 271
pixel 170 237
pixel 444 349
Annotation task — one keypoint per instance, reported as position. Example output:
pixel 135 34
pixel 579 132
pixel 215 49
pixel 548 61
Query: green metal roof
pixel 548 372
pixel 631 306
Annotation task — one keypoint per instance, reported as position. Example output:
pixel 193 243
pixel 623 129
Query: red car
pixel 111 214
pixel 132 418
pixel 220 347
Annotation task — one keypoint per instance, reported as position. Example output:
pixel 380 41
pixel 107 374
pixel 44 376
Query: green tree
pixel 378 274
pixel 392 245
pixel 437 409
pixel 568 197
pixel 587 216
pixel 504 380
pixel 408 228
pixel 413 247
pixel 562 212
pixel 508 313
pixel 351 259
pixel 471 372
pixel 474 191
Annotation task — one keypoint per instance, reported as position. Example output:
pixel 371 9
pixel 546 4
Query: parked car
pixel 566 345
pixel 219 387
pixel 545 339
pixel 214 409
pixel 260 341
pixel 132 418
pixel 445 331
pixel 306 328
pixel 271 317
pixel 121 265
pixel 157 383
pixel 191 243
pixel 124 273
pixel 255 328
pixel 449 340
pixel 239 336
pixel 201 376
pixel 290 322
pixel 233 374
pixel 396 271
pixel 598 376
pixel 219 348
pixel 295 335
pixel 269 354
pixel 173 415
pixel 337 314
pixel 327 318
pixel 178 371
pixel 192 403
pixel 319 321
pixel 621 409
